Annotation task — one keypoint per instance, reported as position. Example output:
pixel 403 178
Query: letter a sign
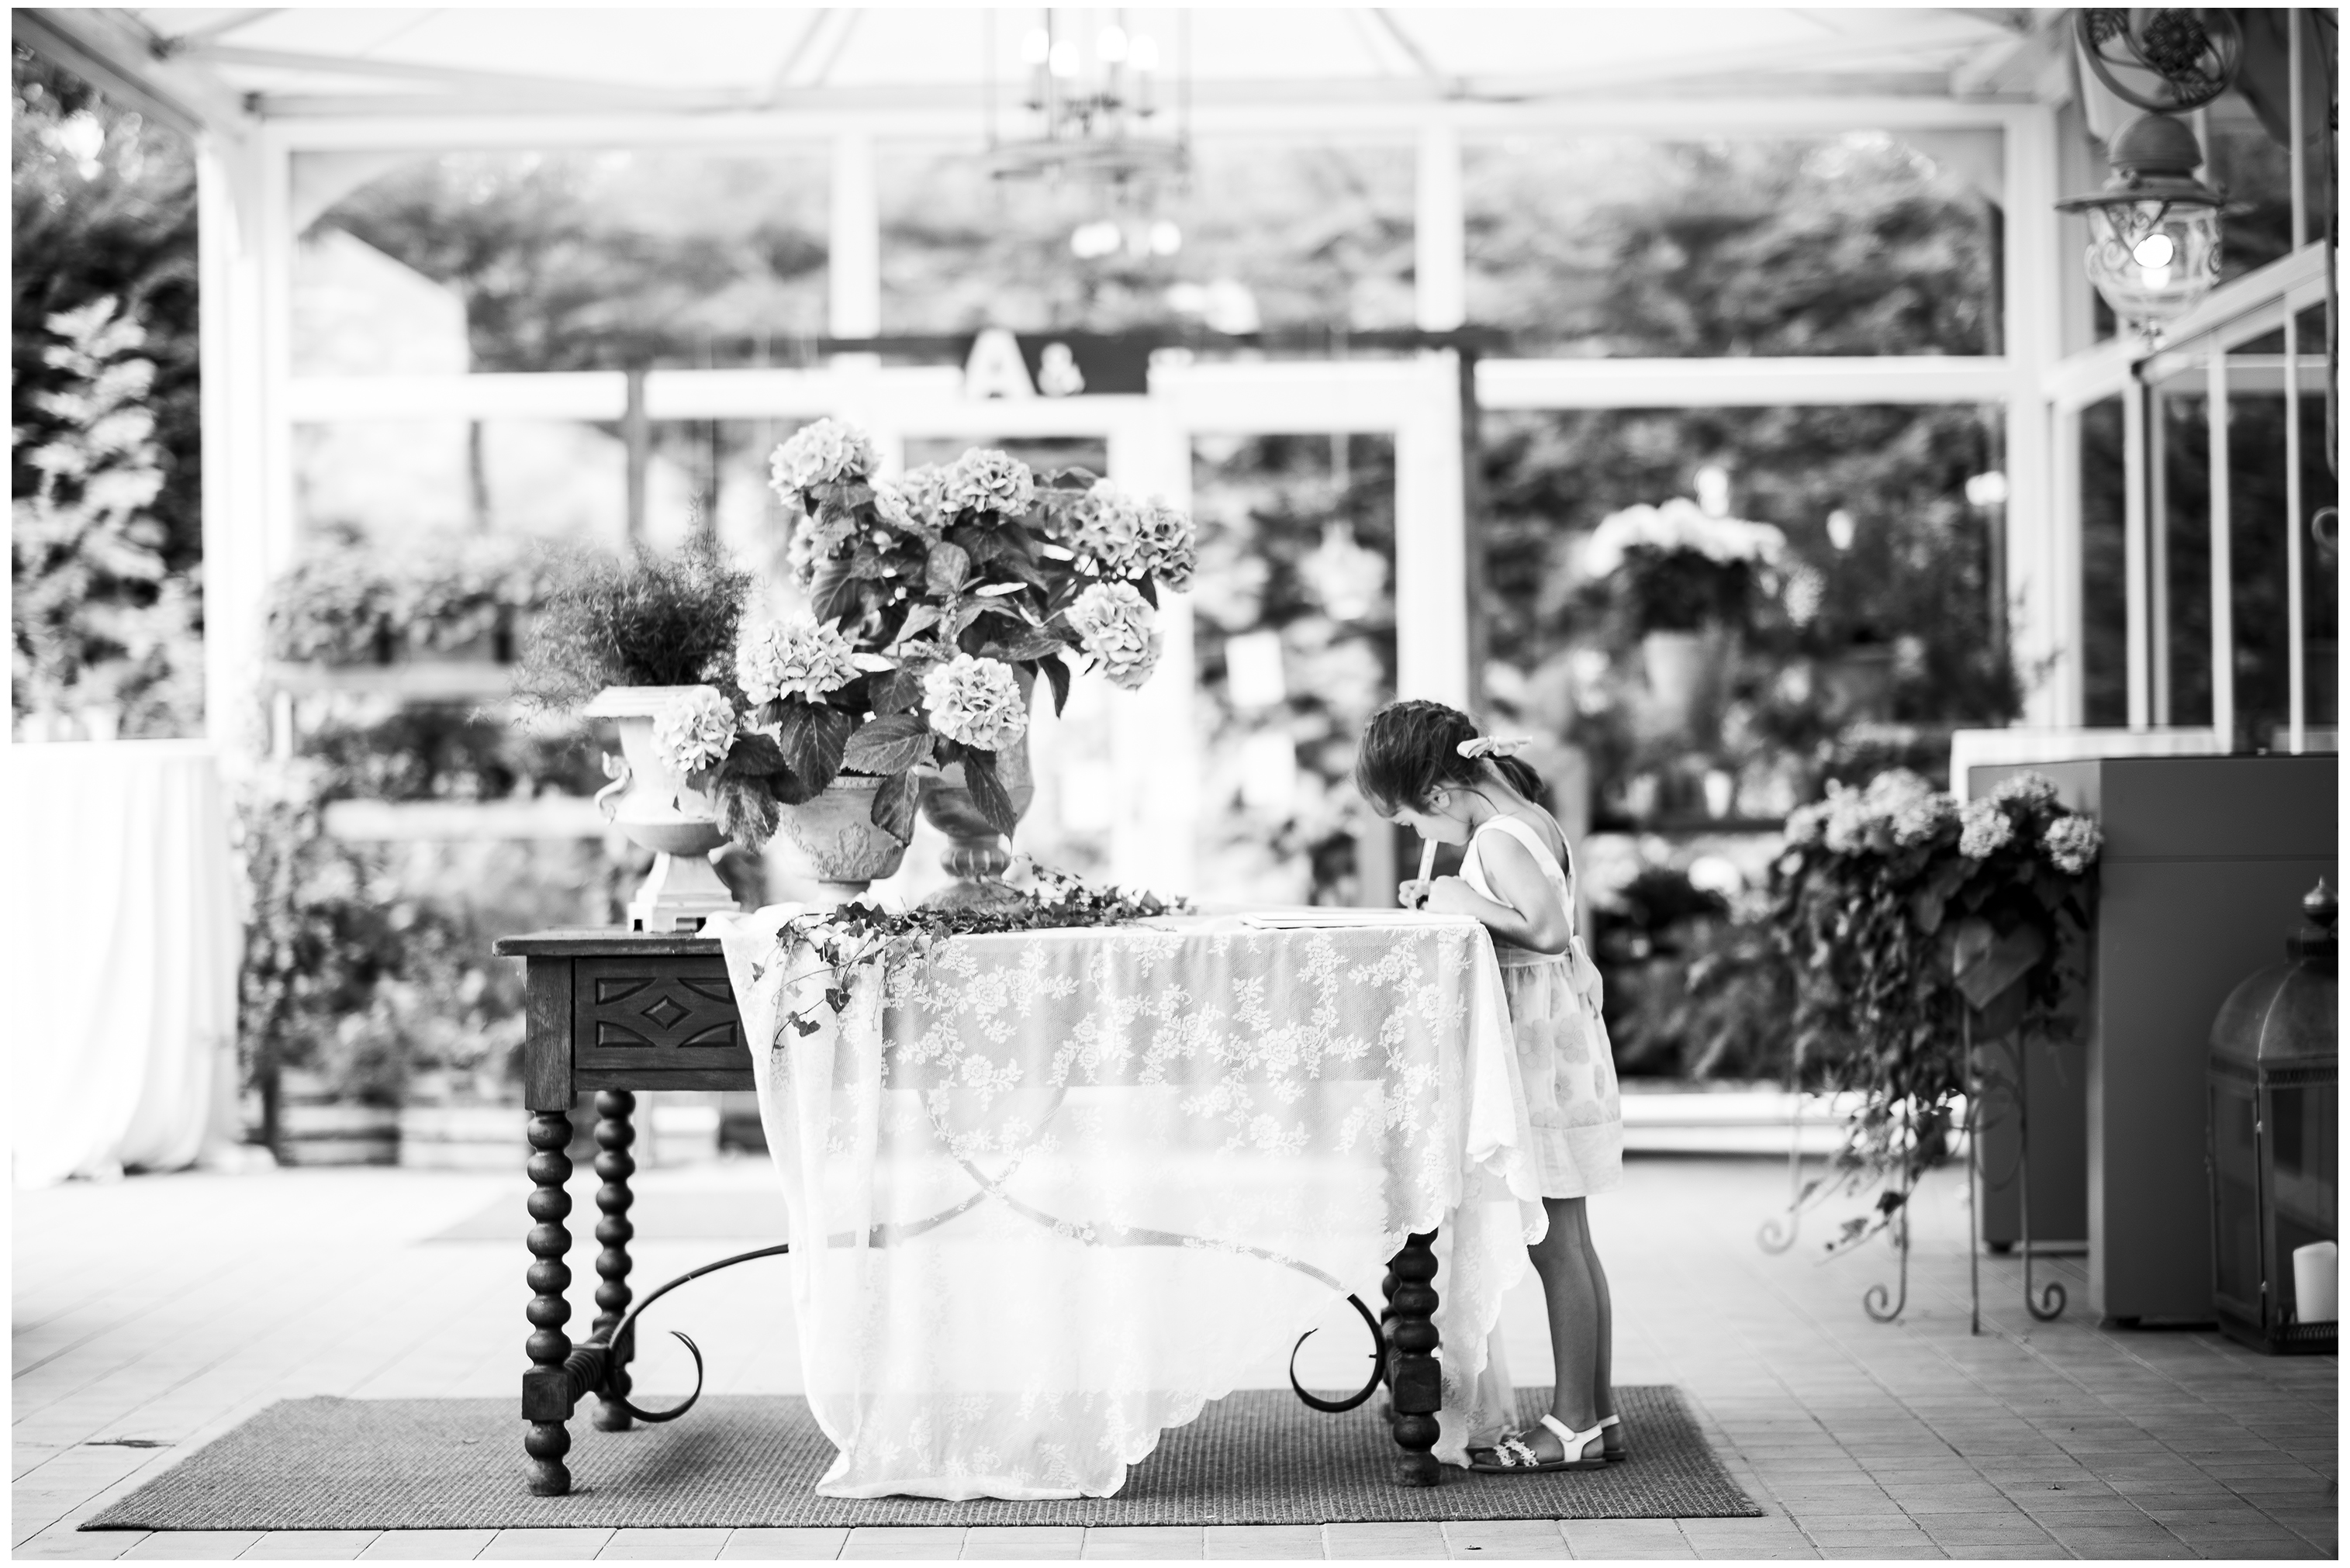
pixel 996 368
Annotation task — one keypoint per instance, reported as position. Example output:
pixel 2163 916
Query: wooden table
pixel 616 1011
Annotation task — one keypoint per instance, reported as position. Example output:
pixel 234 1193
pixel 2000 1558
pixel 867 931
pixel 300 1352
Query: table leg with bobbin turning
pixel 1414 1379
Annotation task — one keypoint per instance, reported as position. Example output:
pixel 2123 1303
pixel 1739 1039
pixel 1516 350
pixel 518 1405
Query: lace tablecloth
pixel 1070 1185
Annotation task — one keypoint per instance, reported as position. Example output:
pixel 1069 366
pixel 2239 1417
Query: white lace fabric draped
pixel 1058 1189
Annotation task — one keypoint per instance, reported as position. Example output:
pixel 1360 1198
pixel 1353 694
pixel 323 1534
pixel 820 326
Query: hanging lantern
pixel 2154 229
pixel 2274 1138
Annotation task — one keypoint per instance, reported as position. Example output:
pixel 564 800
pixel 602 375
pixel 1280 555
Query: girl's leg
pixel 1603 1365
pixel 1576 1303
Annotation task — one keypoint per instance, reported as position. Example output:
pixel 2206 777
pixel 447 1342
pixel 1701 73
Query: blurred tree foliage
pixel 1857 246
pixel 578 260
pixel 104 209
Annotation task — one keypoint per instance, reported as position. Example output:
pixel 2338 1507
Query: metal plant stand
pixel 1774 1236
pixel 2045 1303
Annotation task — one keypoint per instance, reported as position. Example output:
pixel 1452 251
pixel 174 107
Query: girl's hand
pixel 1413 894
pixel 1452 896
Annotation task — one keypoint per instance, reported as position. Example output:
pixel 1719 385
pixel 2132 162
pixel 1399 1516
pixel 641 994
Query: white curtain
pixel 127 941
pixel 1058 1189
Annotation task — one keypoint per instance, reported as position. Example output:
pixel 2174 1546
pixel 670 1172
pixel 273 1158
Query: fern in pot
pixel 647 643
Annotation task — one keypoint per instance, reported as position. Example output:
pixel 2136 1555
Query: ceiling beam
pixel 442 124
pixel 543 90
pixel 128 64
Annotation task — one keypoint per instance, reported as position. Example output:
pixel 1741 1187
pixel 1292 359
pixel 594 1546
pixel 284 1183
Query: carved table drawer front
pixel 657 1013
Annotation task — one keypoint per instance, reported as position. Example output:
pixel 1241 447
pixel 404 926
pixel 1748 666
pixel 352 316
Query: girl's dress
pixel 1563 1050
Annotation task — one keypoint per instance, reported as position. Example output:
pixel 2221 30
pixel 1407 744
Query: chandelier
pixel 1099 108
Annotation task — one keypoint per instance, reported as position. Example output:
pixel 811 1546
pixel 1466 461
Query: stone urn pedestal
pixel 834 842
pixel 653 806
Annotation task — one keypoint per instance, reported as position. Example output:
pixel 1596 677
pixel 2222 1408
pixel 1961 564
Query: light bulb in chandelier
pixel 1111 44
pixel 1142 53
pixel 1065 61
pixel 1036 47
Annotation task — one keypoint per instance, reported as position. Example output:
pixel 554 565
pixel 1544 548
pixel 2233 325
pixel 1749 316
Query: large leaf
pixel 896 692
pixel 891 743
pixel 1036 642
pixel 813 739
pixel 756 755
pixel 746 811
pixel 894 804
pixel 947 567
pixel 987 791
pixel 1057 673
pixel 919 620
pixel 833 593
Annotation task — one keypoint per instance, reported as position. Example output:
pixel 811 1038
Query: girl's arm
pixel 1533 918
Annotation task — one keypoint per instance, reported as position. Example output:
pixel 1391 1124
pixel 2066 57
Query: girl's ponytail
pixel 1411 747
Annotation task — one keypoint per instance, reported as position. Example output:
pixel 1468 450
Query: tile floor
pixel 164 1310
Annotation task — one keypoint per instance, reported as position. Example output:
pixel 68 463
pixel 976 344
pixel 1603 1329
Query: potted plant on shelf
pixel 640 641
pixel 1681 582
pixel 935 603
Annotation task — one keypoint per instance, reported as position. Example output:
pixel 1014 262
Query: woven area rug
pixel 1257 1457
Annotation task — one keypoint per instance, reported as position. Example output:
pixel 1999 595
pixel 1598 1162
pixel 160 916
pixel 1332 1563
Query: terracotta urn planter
pixel 834 842
pixel 653 806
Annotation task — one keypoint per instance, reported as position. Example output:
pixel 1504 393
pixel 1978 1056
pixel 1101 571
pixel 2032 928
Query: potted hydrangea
pixel 936 601
pixel 1910 925
pixel 1681 581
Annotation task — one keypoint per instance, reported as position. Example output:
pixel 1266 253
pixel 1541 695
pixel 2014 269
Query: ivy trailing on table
pixel 886 942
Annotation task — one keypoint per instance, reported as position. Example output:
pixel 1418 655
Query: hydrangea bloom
pixel 1920 820
pixel 925 490
pixel 1168 544
pixel 825 452
pixel 2033 791
pixel 2073 843
pixel 985 479
pixel 695 732
pixel 801 658
pixel 1984 829
pixel 1849 820
pixel 1680 525
pixel 1808 823
pixel 975 702
pixel 1116 625
pixel 1107 531
pixel 890 505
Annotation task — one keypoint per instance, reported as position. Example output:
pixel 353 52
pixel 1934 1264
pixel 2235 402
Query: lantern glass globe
pixel 2153 260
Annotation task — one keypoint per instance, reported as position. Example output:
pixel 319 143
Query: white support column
pixel 1439 232
pixel 2043 499
pixel 855 263
pixel 229 176
pixel 281 522
pixel 2223 567
pixel 1154 736
pixel 2137 556
pixel 1432 561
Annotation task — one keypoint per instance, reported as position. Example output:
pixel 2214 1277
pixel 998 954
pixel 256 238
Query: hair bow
pixel 1493 746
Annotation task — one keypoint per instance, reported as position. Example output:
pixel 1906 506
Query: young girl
pixel 1424 765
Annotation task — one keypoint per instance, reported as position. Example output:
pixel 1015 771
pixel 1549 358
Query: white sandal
pixel 1513 1456
pixel 1615 1456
